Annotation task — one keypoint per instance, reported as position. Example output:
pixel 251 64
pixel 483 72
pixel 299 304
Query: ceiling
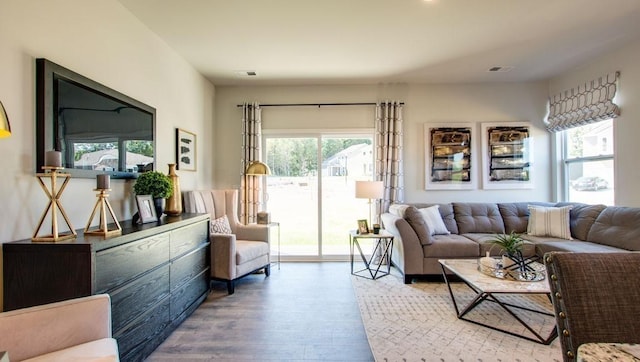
pixel 289 42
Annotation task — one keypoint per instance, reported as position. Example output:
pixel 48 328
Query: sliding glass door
pixel 311 191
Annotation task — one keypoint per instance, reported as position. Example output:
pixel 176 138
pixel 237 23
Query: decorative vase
pixel 159 204
pixel 174 202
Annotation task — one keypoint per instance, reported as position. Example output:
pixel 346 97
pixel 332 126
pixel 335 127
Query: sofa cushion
pixel 574 246
pixel 478 218
pixel 398 209
pixel 102 350
pixel 486 244
pixel 515 215
pixel 451 246
pixel 417 221
pixel 250 250
pixel 617 226
pixel 582 217
pixel 549 221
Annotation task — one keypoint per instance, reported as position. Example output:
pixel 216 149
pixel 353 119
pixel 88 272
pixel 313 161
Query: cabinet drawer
pixel 143 333
pixel 183 298
pixel 137 297
pixel 122 263
pixel 188 266
pixel 189 237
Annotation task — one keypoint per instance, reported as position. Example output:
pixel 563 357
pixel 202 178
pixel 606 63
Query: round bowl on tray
pixel 534 272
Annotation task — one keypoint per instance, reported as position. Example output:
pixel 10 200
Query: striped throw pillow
pixel 549 221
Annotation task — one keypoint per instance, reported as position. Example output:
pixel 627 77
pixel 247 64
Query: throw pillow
pixel 398 209
pixel 417 222
pixel 221 226
pixel 434 220
pixel 549 221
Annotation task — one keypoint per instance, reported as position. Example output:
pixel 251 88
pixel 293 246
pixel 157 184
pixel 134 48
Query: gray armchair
pixel 233 255
pixel 596 298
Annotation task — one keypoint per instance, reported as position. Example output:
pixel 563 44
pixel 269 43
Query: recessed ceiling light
pixel 500 68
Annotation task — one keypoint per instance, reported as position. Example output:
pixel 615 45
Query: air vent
pixel 246 73
pixel 500 69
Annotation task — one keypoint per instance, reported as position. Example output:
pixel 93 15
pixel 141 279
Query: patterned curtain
pixel 389 168
pixel 588 103
pixel 251 186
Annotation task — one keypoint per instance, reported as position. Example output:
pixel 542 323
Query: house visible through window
pixel 588 163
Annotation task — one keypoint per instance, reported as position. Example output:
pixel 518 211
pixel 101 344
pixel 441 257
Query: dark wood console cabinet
pixel 156 274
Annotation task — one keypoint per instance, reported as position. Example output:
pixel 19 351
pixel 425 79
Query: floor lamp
pixel 255 168
pixel 369 190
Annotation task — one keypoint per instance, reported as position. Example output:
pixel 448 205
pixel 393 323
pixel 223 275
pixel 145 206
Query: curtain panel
pixel 389 141
pixel 251 186
pixel 588 103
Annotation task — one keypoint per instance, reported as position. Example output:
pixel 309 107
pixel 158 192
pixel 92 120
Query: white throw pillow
pixel 549 221
pixel 434 220
pixel 398 209
pixel 221 225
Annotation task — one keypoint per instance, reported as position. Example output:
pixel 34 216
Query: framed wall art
pixel 185 150
pixel 507 155
pixel 449 156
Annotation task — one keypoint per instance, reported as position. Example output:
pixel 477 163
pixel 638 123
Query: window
pixel 588 163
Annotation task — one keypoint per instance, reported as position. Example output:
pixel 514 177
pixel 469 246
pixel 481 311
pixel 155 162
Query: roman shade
pixel 585 104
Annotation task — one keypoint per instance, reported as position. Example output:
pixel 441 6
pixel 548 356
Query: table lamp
pixel 369 190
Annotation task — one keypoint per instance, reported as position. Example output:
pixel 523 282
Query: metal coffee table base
pixel 491 297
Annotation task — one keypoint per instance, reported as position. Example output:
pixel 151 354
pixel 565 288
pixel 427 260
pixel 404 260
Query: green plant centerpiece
pixel 156 184
pixel 511 245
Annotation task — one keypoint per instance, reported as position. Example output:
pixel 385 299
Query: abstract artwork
pixel 185 150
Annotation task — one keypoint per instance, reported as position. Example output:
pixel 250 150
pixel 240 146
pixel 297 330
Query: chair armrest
pixel 253 232
pixel 34 331
pixel 223 256
pixel 406 245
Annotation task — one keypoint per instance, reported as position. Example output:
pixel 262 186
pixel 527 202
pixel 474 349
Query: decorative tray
pixel 533 272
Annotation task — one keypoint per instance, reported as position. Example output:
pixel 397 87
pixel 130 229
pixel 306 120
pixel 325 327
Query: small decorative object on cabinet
pixel 146 209
pixel 507 155
pixel 103 183
pixel 156 184
pixel 52 173
pixel 174 202
pixel 450 156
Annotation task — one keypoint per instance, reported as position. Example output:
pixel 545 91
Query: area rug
pixel 417 322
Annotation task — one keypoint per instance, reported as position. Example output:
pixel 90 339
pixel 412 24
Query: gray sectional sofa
pixel 594 228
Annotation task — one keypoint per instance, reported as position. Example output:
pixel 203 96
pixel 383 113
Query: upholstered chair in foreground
pixel 596 298
pixel 236 249
pixel 71 330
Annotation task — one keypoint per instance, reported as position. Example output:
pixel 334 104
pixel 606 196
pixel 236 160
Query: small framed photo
pixel 185 150
pixel 363 227
pixel 146 209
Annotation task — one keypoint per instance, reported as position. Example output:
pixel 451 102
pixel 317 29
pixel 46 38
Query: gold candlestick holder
pixel 103 205
pixel 52 173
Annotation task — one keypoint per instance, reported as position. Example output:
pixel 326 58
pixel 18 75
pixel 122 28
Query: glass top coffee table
pixel 488 288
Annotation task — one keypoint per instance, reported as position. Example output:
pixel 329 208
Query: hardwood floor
pixel 302 312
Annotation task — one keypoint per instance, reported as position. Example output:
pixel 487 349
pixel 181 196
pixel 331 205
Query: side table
pixel 382 247
pixel 276 224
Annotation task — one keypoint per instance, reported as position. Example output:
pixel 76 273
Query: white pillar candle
pixel 103 182
pixel 53 159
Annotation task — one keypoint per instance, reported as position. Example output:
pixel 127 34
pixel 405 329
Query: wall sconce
pixel 5 126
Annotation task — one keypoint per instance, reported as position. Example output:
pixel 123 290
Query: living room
pixel 106 42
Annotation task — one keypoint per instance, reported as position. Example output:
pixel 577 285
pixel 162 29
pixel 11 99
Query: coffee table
pixel 490 289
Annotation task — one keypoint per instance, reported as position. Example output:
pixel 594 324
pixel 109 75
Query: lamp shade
pixel 369 189
pixel 257 168
pixel 5 126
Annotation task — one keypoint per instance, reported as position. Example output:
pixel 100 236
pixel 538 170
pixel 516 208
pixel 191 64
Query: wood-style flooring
pixel 302 312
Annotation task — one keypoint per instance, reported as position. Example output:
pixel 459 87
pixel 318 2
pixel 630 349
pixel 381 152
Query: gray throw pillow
pixel 419 225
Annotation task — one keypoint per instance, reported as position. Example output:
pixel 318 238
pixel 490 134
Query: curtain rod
pixel 316 104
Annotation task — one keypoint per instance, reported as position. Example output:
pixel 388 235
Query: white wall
pixel 424 103
pixel 103 41
pixel 627 126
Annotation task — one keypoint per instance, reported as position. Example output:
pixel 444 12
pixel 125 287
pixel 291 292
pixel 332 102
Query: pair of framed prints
pixel 453 156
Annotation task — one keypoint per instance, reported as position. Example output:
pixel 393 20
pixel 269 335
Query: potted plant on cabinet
pixel 156 184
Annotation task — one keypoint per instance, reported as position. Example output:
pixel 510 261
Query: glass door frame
pixel 318 135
